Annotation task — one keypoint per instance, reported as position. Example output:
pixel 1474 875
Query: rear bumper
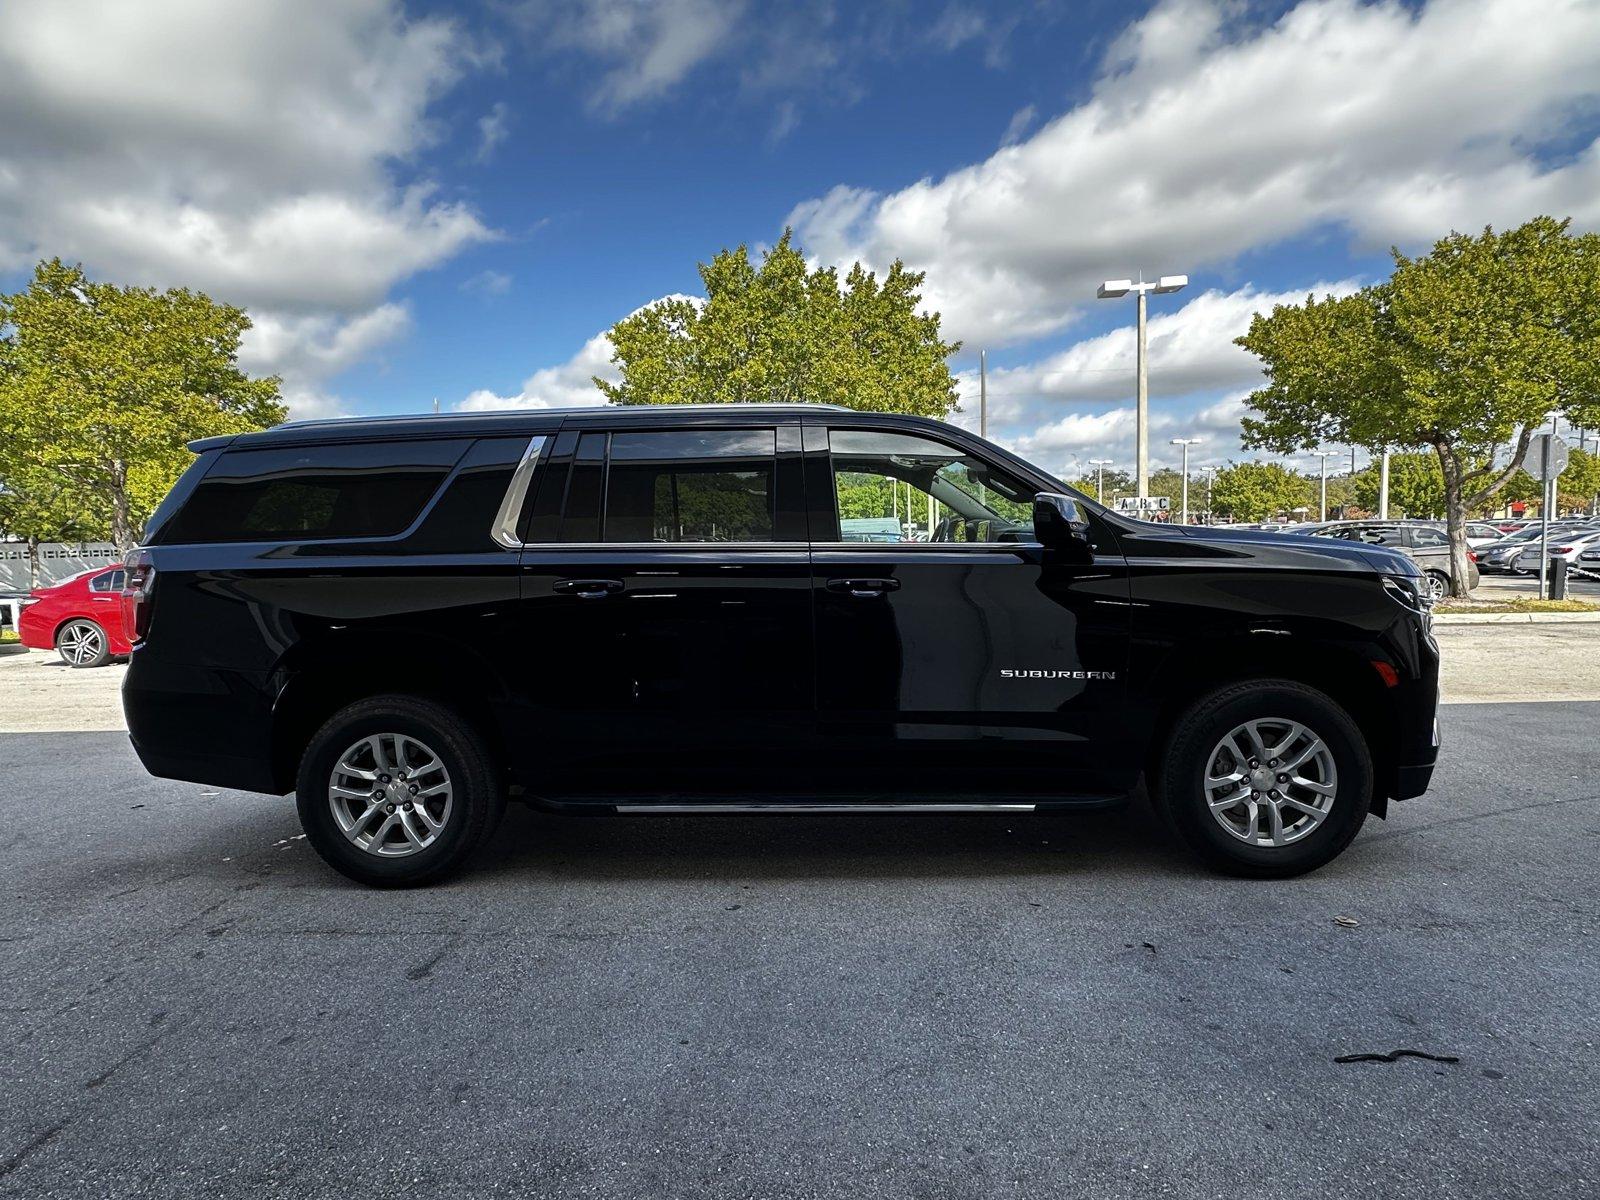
pixel 34 633
pixel 200 725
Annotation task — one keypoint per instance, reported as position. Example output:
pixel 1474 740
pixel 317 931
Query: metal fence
pixel 56 561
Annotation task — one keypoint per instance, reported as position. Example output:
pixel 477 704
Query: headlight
pixel 1407 590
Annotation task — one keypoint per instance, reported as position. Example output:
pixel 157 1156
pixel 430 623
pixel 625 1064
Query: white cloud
pixel 1065 444
pixel 1191 354
pixel 309 348
pixel 1190 350
pixel 488 282
pixel 1201 141
pixel 247 150
pixel 493 128
pixel 1021 121
pixel 566 385
pixel 651 45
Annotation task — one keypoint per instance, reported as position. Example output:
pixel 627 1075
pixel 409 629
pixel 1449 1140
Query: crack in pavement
pixel 1396 1056
pixel 38 1143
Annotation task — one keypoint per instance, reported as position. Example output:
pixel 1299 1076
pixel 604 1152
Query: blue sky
pixel 420 200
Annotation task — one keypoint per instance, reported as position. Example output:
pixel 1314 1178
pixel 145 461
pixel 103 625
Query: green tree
pixel 1579 484
pixel 101 387
pixel 38 504
pixel 1463 349
pixel 1416 486
pixel 778 332
pixel 1115 482
pixel 1255 491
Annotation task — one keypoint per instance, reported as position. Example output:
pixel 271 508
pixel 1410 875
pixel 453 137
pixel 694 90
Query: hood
pixel 1376 558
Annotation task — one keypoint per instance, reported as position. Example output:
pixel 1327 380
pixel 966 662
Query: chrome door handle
pixel 864 589
pixel 588 589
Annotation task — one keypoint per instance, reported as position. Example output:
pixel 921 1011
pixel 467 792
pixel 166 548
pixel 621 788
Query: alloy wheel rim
pixel 390 795
pixel 1271 782
pixel 80 643
pixel 1436 588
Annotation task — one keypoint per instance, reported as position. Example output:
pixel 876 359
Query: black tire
pixel 1178 790
pixel 82 643
pixel 477 799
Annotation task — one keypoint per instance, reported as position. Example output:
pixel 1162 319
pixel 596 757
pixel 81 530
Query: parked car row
pixel 1427 544
pixel 1518 553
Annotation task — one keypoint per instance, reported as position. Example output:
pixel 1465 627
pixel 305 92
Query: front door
pixel 955 654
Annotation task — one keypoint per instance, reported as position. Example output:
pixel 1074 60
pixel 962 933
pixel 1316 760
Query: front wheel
pixel 397 791
pixel 82 643
pixel 1266 779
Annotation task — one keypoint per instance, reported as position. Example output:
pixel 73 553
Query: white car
pixel 1480 534
pixel 1571 545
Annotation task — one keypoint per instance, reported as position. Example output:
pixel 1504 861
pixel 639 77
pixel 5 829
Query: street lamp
pixel 1186 443
pixel 1324 455
pixel 1211 512
pixel 1113 289
pixel 1100 465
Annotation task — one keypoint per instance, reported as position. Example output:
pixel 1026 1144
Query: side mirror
pixel 1058 522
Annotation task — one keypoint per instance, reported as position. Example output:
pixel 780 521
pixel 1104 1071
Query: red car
pixel 80 619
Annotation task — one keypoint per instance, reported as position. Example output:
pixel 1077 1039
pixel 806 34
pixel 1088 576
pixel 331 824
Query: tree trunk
pixel 122 531
pixel 1455 517
pixel 33 561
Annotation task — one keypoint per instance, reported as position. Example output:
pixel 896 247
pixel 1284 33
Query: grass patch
pixel 1518 605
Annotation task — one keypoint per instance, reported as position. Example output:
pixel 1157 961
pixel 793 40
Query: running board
pixel 822 809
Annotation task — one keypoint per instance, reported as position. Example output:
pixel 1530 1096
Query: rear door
pixel 954 652
pixel 666 586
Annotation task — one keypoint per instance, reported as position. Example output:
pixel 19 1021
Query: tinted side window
pixel 580 517
pixel 1424 537
pixel 691 486
pixel 111 581
pixel 312 492
pixel 897 487
pixel 1371 535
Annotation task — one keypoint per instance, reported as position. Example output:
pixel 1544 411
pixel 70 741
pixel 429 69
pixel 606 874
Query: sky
pixel 428 201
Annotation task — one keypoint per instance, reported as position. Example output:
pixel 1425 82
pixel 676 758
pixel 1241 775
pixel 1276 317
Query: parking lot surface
pixel 797 1006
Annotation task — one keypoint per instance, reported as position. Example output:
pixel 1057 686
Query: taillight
pixel 1471 556
pixel 1560 549
pixel 138 579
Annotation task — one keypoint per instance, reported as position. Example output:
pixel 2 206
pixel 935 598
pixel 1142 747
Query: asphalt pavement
pixel 803 1006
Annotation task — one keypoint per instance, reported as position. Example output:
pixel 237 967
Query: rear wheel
pixel 1265 779
pixel 82 643
pixel 1437 584
pixel 395 791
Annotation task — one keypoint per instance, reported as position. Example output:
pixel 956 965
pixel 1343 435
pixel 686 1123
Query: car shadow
pixel 636 847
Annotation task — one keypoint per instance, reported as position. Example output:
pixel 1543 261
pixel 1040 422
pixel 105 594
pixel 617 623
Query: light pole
pixel 1113 289
pixel 1211 513
pixel 1383 486
pixel 1100 465
pixel 1186 443
pixel 1324 455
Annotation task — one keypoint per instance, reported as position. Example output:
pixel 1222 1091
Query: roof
pixel 508 421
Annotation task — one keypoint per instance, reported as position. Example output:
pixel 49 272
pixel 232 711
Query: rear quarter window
pixel 303 493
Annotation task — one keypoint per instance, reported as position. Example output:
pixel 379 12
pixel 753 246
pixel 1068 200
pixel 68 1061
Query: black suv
pixel 726 608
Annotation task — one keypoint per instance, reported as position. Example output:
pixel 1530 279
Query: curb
pixel 1555 618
